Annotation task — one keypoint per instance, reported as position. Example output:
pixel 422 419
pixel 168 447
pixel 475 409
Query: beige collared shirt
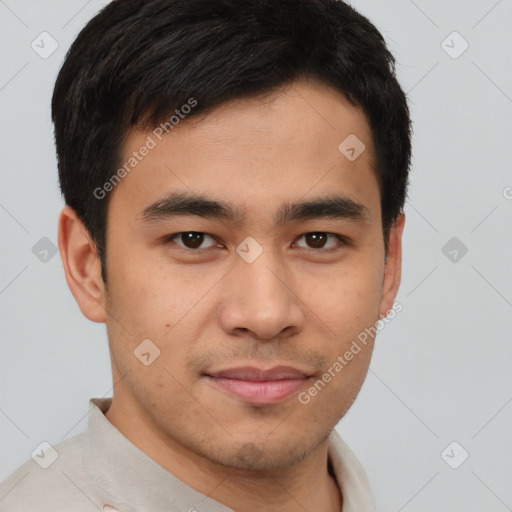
pixel 101 470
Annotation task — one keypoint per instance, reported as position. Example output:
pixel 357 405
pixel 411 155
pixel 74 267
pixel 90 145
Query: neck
pixel 307 485
pixel 304 486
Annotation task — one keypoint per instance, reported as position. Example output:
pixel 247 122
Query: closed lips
pixel 256 386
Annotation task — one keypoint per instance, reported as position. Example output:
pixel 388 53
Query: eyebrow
pixel 181 204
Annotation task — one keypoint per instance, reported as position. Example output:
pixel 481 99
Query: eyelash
pixel 344 241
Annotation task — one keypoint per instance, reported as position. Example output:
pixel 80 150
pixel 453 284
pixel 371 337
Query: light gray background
pixel 441 371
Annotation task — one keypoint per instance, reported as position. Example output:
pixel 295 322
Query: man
pixel 234 175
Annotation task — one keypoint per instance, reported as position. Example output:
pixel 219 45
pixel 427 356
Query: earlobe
pixel 81 265
pixel 393 267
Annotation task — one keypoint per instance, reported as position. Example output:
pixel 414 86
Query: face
pixel 247 311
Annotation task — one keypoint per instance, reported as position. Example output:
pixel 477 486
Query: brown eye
pixel 190 239
pixel 318 240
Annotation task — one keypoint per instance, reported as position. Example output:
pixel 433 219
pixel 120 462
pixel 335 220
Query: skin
pixel 294 305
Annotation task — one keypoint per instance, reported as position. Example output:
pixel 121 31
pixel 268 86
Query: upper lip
pixel 252 373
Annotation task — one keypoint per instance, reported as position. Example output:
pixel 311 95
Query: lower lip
pixel 260 392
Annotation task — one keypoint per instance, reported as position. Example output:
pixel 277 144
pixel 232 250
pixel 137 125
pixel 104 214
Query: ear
pixel 393 268
pixel 81 265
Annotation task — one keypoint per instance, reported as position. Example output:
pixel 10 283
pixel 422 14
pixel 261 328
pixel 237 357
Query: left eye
pixel 193 240
pixel 318 239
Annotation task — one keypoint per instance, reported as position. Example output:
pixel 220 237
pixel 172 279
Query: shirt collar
pixel 120 470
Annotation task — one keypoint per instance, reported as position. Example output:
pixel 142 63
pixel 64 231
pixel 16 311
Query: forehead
pixel 286 145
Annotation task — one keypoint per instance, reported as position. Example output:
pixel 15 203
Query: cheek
pixel 348 300
pixel 147 302
pixel 332 394
pixel 143 293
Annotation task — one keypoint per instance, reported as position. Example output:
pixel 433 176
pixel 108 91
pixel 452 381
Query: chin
pixel 261 455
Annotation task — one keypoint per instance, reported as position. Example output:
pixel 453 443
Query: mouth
pixel 257 386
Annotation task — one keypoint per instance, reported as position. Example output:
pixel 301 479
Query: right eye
pixel 190 240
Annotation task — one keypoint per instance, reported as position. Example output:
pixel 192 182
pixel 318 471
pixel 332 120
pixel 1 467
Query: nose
pixel 262 299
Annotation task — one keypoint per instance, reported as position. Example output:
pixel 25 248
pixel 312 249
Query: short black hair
pixel 137 61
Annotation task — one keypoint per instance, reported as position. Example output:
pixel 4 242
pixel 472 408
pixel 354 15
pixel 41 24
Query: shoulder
pixel 54 479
